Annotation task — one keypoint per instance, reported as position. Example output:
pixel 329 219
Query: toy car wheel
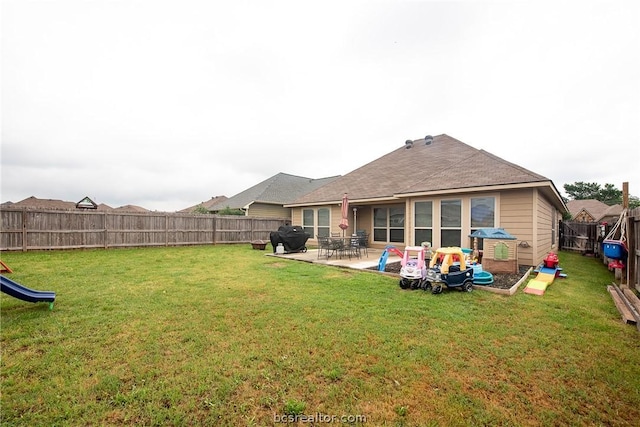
pixel 404 284
pixel 437 289
pixel 467 287
pixel 427 286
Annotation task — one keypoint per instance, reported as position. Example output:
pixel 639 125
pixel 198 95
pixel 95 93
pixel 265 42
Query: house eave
pixel 351 202
pixel 543 185
pixel 398 197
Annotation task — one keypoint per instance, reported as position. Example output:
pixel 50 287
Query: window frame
pixel 390 228
pixel 471 226
pixel 428 229
pixel 450 228
pixel 315 228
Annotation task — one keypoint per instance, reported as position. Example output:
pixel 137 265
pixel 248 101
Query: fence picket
pixel 31 229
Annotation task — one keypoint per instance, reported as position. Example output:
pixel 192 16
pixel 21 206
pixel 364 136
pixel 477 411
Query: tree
pixel 584 190
pixel 200 209
pixel 229 211
pixel 610 195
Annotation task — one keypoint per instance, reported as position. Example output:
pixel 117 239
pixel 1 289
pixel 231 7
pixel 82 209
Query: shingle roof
pixel 54 204
pixel 445 164
pixel 36 203
pixel 207 205
pixel 280 189
pixel 597 209
pixel 131 208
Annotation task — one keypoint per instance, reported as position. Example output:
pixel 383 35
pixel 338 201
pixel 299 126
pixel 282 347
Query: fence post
pixel 106 229
pixel 632 254
pixel 24 229
pixel 214 229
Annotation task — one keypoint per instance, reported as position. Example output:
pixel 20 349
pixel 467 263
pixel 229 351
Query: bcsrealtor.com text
pixel 318 418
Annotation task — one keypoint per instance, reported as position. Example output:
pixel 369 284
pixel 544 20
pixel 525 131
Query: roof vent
pixel 428 140
pixel 408 144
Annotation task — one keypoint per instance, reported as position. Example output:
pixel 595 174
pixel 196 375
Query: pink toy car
pixel 413 271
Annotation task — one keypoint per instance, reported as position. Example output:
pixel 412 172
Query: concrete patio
pixel 362 263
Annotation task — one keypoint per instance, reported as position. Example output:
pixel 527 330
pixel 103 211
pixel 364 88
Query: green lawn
pixel 224 335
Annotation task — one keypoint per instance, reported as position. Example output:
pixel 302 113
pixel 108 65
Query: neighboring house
pixel 267 199
pixel 206 205
pixel 132 209
pixel 438 190
pixel 36 203
pixel 592 210
pixel 84 204
pixel 53 204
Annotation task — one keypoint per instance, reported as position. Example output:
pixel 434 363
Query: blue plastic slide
pixel 16 290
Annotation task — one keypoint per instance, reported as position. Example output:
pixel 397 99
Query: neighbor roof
pixel 597 209
pixel 280 189
pixel 443 165
pixel 51 204
pixel 207 205
pixel 132 209
pixel 36 203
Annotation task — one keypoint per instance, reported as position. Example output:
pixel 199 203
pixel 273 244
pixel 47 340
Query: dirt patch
pixel 500 280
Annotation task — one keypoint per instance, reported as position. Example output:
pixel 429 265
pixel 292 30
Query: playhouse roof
pixel 492 233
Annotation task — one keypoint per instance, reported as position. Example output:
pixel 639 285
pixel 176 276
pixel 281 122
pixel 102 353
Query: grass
pixel 224 335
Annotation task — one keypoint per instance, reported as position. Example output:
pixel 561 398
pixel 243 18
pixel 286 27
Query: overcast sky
pixel 166 103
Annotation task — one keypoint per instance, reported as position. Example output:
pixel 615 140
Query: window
pixel 388 224
pixel 451 222
pixel 322 218
pixel 324 221
pixel 307 221
pixel 483 214
pixel 423 220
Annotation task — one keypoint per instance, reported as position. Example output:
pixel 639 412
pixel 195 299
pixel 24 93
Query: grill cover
pixel 292 237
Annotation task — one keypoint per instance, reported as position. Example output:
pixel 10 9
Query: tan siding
pixel 269 211
pixel 543 225
pixel 516 216
pixel 296 216
pixel 336 216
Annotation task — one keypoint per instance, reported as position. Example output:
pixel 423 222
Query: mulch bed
pixel 500 281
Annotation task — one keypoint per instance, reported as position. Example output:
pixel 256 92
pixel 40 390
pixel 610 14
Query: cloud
pixel 165 104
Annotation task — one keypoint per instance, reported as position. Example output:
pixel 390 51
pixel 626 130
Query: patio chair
pixel 363 242
pixel 324 247
pixel 337 247
pixel 354 247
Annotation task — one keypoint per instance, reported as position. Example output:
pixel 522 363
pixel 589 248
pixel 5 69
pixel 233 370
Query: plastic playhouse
pixel 499 253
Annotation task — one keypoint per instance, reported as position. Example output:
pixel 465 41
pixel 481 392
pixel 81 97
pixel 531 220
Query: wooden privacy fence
pixel 579 236
pixel 633 240
pixel 27 229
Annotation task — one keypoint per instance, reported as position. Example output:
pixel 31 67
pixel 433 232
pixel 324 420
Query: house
pixel 54 204
pixel 131 209
pixel 592 210
pixel 438 190
pixel 204 205
pixel 267 199
pixel 84 204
